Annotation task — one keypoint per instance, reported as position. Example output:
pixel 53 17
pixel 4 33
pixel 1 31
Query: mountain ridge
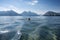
pixel 8 13
pixel 13 13
pixel 27 13
pixel 51 13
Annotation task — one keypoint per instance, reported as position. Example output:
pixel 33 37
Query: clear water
pixel 38 28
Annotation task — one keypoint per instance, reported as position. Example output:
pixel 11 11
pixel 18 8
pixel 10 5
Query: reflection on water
pixel 38 28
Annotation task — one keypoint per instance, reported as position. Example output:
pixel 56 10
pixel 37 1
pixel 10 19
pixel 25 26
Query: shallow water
pixel 38 28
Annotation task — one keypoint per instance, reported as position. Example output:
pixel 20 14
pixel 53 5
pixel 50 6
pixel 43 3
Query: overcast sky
pixel 38 6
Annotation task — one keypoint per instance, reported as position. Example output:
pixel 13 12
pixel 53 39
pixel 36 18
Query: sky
pixel 37 6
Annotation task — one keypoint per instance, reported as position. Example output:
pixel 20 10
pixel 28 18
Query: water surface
pixel 38 28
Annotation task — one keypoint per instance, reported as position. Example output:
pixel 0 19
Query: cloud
pixel 33 2
pixel 4 9
pixel 11 7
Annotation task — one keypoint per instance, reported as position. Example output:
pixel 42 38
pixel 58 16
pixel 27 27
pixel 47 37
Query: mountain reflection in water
pixel 38 28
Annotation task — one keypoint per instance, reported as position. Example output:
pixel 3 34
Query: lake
pixel 38 28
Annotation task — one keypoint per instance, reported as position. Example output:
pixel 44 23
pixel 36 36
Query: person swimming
pixel 29 19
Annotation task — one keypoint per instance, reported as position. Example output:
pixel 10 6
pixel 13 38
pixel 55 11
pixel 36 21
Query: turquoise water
pixel 38 28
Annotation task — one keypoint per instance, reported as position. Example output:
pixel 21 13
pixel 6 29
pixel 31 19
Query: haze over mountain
pixel 51 13
pixel 13 13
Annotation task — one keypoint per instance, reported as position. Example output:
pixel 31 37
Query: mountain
pixel 13 13
pixel 8 13
pixel 50 13
pixel 29 13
